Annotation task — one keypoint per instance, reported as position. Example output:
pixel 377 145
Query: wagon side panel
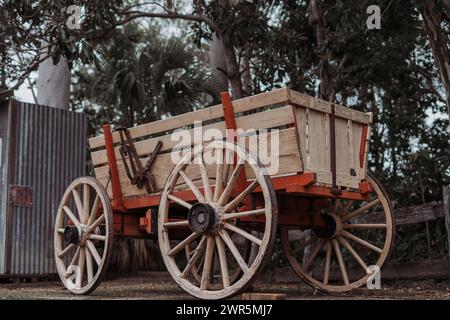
pixel 313 126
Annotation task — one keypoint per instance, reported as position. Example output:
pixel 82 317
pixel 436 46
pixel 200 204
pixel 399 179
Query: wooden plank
pixel 325 106
pixel 408 215
pixel 428 269
pixel 343 147
pixel 318 142
pixel 262 120
pixel 289 162
pixel 324 179
pixel 263 296
pixel 165 124
pixel 206 114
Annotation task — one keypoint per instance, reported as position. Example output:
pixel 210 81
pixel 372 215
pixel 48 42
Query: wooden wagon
pixel 277 162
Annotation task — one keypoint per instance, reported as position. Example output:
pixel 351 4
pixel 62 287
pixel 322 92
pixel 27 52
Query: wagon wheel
pixel 349 239
pixel 211 222
pixel 83 235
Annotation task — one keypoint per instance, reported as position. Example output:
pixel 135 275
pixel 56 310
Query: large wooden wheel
pixel 211 225
pixel 83 235
pixel 354 237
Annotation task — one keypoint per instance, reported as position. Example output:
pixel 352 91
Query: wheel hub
pixel 75 234
pixel 202 217
pixel 332 228
pixel 71 235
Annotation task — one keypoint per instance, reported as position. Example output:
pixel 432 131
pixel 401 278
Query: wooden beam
pixel 408 215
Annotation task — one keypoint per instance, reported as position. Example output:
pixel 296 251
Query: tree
pixel 140 77
pixel 436 22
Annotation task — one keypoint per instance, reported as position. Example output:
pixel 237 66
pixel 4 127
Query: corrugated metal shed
pixel 42 150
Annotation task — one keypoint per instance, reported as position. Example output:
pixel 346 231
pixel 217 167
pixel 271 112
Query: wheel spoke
pixel 223 262
pixel 243 233
pixel 364 226
pixel 361 241
pixel 227 165
pixel 179 201
pixel 347 206
pixel 78 203
pixel 314 254
pixel 80 270
pixel 72 262
pixel 226 238
pixel 337 205
pixel 94 252
pixel 176 224
pixel 96 237
pixel 236 201
pixel 183 244
pixel 71 215
pixel 361 210
pixel 230 184
pixel 86 199
pixel 205 180
pixel 192 186
pixel 326 274
pixel 94 210
pixel 66 250
pixel 89 266
pixel 238 215
pixel 340 261
pixel 208 262
pixel 219 174
pixel 194 258
pixel 353 252
pixel 94 225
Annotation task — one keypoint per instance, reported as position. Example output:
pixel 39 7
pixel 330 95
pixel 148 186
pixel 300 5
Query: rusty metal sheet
pixel 21 196
pixel 43 148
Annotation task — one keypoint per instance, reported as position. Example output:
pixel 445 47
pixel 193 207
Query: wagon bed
pixel 304 132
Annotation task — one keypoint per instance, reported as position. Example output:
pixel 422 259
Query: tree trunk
pixel 432 25
pixel 233 72
pixel 327 80
pixel 53 84
pixel 218 64
pixel 246 76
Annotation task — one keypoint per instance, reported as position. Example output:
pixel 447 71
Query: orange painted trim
pixel 230 122
pixel 117 200
pixel 365 187
pixel 362 146
pixel 301 183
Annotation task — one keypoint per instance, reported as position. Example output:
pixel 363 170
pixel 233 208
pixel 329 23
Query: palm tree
pixel 140 77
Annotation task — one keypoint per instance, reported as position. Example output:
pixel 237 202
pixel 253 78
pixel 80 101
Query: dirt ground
pixel 159 286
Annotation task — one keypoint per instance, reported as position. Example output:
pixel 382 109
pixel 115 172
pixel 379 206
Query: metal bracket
pixel 139 175
pixel 21 196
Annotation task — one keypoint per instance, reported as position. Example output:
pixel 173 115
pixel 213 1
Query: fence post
pixel 446 198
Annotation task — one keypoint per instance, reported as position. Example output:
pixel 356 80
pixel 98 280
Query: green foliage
pixel 140 77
